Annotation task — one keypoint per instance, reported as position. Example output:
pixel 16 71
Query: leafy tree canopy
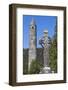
pixel 35 67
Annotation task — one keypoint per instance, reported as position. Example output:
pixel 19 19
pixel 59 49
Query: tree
pixel 53 51
pixel 35 67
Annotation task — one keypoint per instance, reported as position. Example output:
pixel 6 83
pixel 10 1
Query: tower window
pixel 32 27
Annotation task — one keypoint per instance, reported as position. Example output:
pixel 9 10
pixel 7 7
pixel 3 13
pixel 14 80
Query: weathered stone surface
pixel 32 42
pixel 46 68
pixel 46 49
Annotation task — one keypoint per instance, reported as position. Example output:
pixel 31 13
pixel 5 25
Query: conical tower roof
pixel 32 22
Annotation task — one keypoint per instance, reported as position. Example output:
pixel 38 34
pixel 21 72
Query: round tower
pixel 32 42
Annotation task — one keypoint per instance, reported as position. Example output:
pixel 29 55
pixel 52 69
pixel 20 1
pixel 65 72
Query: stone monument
pixel 32 42
pixel 46 49
pixel 46 68
pixel 46 53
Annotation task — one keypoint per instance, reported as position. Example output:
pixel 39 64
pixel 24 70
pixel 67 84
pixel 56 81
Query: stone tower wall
pixel 32 43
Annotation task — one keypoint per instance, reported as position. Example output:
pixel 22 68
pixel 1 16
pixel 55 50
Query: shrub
pixel 35 67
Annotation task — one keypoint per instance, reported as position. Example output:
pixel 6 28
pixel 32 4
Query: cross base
pixel 46 70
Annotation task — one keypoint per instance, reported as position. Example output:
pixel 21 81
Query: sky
pixel 42 22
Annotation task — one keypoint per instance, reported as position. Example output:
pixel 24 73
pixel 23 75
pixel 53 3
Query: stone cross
pixel 44 42
pixel 46 49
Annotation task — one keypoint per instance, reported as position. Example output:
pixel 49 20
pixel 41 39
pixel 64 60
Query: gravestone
pixel 32 42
